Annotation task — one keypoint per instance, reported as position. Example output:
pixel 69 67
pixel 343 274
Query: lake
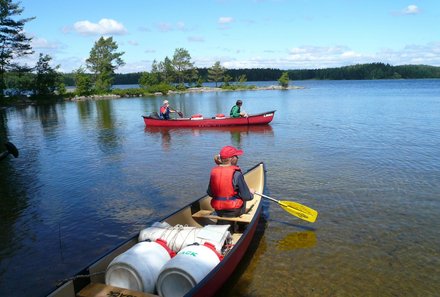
pixel 364 154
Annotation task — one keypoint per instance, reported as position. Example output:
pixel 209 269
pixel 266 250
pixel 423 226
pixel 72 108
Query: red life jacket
pixel 163 109
pixel 222 188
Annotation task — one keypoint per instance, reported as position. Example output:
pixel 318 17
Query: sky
pixel 283 34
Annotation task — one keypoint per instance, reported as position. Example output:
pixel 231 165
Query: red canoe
pixel 255 119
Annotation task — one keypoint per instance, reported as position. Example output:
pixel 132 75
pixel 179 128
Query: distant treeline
pixel 354 72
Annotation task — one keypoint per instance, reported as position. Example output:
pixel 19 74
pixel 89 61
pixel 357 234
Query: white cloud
pixel 42 43
pixel 167 27
pixel 103 27
pixel 225 20
pixel 411 9
pixel 164 27
pixel 196 39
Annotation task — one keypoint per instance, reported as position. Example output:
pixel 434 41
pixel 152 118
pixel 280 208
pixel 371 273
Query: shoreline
pixel 25 101
pixel 189 90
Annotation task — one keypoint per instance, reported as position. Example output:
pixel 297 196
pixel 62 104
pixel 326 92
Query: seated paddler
pixel 165 110
pixel 227 186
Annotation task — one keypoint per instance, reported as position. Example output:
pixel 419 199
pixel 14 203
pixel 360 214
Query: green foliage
pixel 103 61
pixel 13 41
pixel 162 88
pixel 46 79
pixel 216 73
pixel 242 79
pixel 182 64
pixel 83 83
pixel 368 71
pixel 148 79
pixel 284 80
pixel 233 87
pixel 227 79
pixel 18 82
pixel 167 72
pixel 133 92
pixel 181 87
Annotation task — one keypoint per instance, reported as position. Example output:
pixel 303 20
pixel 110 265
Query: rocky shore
pixel 189 90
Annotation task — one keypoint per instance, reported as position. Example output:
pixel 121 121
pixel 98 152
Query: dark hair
pixel 239 102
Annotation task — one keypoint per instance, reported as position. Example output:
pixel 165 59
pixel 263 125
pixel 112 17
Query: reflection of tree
pixel 47 114
pixel 108 138
pixel 84 109
pixel 13 201
pixel 104 110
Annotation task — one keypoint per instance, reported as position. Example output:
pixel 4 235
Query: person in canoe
pixel 227 186
pixel 165 111
pixel 236 110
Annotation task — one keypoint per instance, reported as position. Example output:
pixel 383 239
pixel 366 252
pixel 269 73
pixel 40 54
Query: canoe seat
pixel 209 214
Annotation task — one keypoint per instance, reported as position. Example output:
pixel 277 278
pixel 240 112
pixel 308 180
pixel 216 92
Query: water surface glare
pixel 364 154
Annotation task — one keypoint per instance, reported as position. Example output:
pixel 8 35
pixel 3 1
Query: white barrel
pixel 185 270
pixel 180 236
pixel 138 268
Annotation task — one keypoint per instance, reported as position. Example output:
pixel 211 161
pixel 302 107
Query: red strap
pixel 164 244
pixel 212 247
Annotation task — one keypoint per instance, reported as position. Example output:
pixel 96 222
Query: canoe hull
pixel 257 119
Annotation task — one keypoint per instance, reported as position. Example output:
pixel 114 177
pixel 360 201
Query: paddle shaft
pixel 177 111
pixel 301 211
pixel 270 198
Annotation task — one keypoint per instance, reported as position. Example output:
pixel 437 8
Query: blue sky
pixel 285 34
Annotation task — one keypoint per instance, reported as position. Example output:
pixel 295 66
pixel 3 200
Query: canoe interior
pixel 95 273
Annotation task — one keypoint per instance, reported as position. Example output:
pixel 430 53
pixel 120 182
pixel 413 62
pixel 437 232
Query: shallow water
pixel 364 154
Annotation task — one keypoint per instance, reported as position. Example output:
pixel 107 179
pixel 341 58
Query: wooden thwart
pixel 101 290
pixel 208 214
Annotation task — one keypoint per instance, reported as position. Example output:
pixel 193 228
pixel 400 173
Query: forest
pixel 354 72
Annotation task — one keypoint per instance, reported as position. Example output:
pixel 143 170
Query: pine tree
pixel 13 41
pixel 103 62
pixel 216 73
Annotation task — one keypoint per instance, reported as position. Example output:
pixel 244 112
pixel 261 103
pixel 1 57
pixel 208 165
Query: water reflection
pixel 240 282
pixel 85 109
pixel 297 240
pixel 237 133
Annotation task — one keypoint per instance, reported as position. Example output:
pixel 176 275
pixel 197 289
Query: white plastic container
pixel 180 236
pixel 138 268
pixel 185 270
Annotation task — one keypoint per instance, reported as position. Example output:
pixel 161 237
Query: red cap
pixel 229 151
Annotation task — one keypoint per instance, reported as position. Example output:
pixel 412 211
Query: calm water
pixel 365 154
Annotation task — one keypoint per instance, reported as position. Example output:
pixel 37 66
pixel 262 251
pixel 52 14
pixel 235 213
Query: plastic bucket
pixel 185 270
pixel 137 268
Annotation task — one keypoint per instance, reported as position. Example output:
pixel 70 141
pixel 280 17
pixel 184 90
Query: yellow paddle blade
pixel 299 210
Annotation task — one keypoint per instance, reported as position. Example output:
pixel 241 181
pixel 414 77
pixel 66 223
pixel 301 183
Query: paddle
pixel 178 112
pixel 301 211
pixel 11 149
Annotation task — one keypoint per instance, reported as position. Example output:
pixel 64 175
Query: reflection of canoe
pixel 198 214
pixel 257 119
pixel 258 129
